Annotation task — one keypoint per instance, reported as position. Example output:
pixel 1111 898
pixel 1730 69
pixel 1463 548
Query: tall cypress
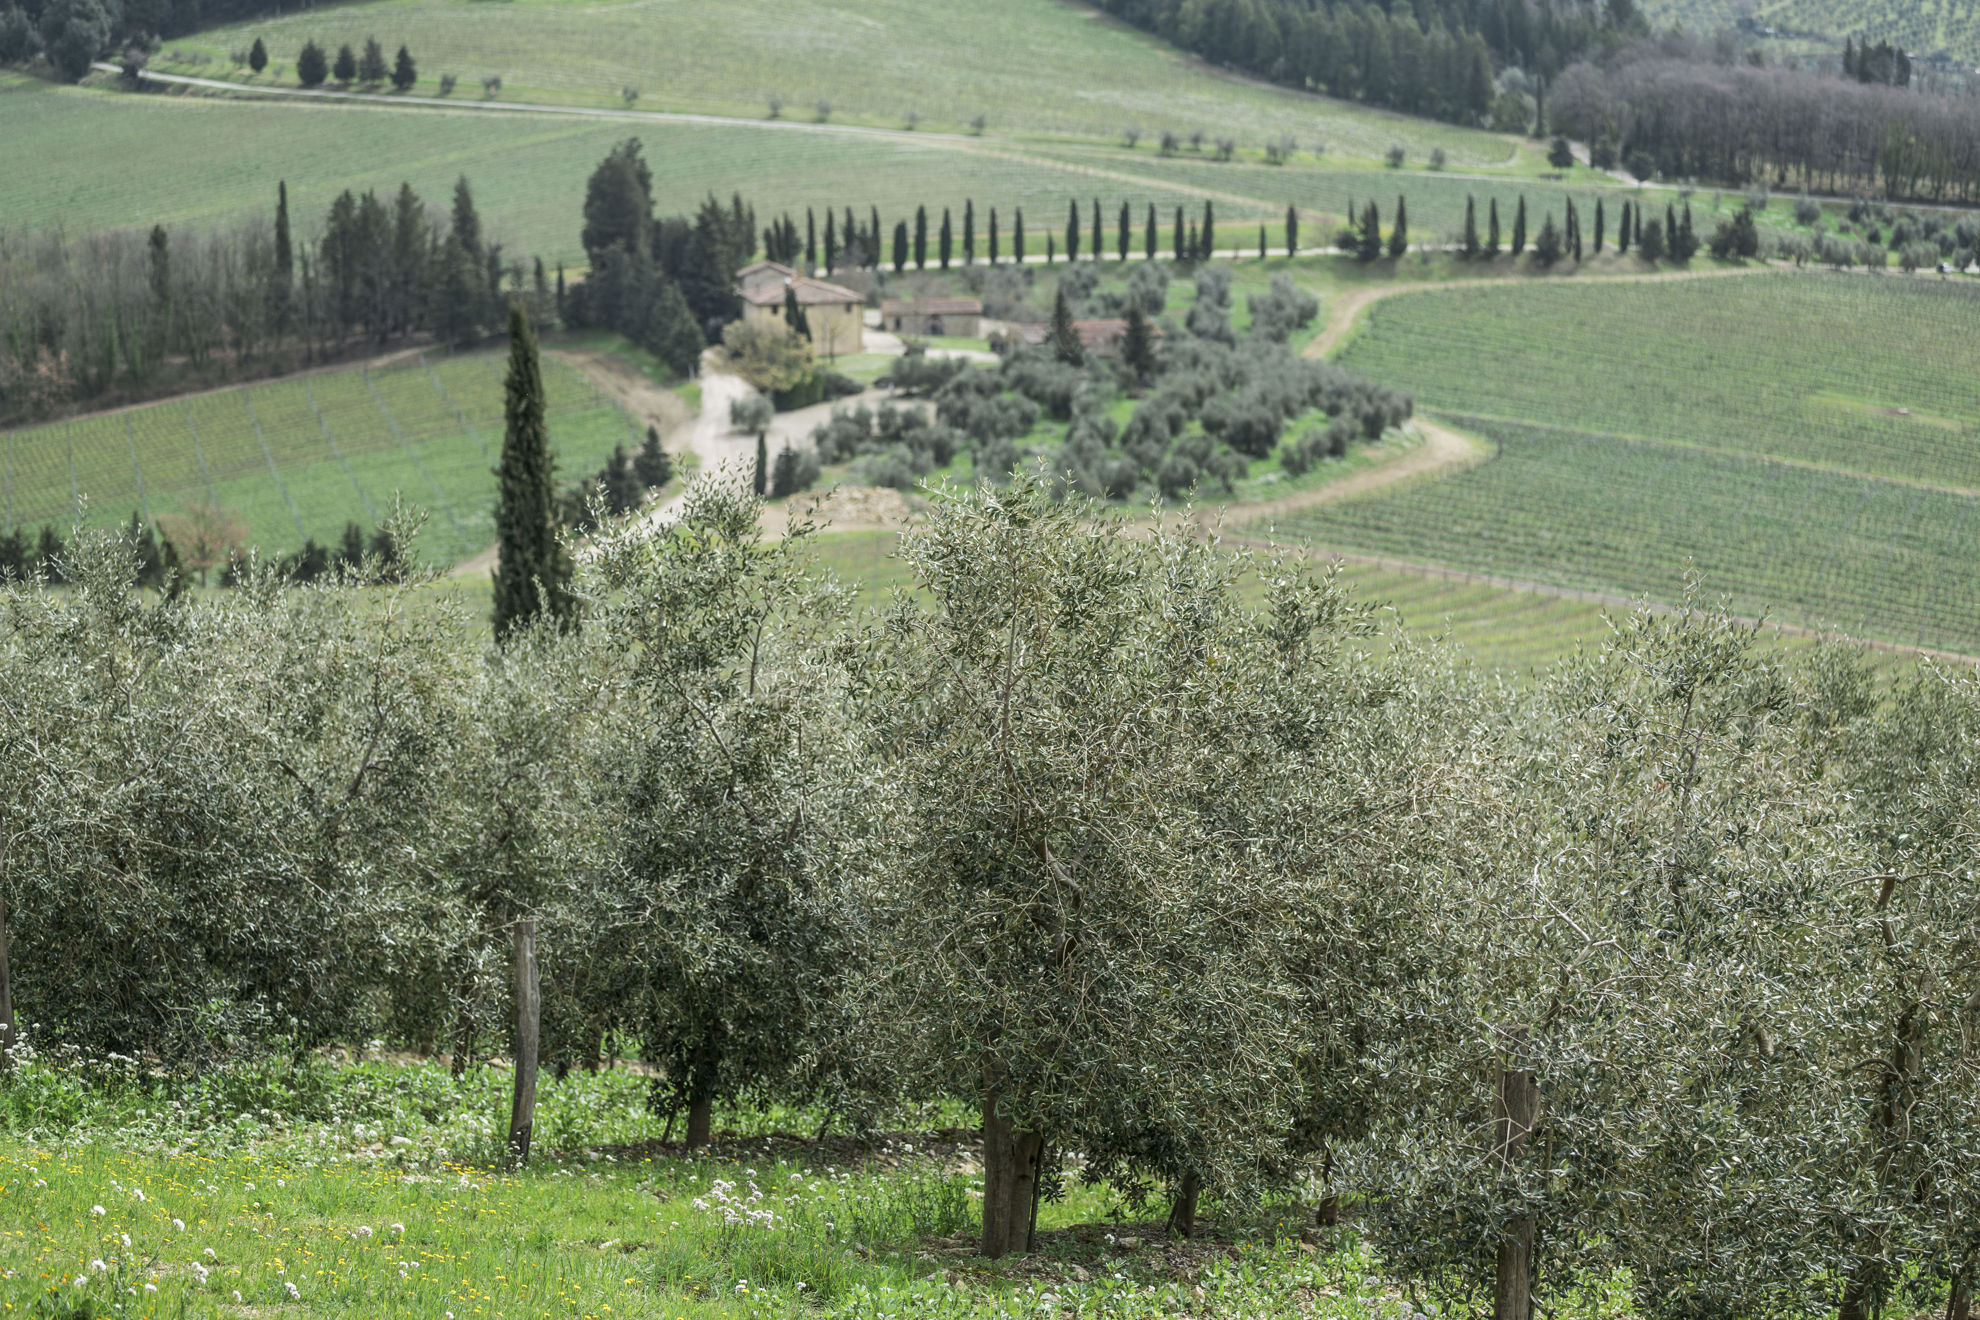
pixel 1573 231
pixel 1492 228
pixel 921 238
pixel 1261 242
pixel 285 255
pixel 1150 240
pixel 1637 226
pixel 1519 227
pixel 467 221
pixel 1017 237
pixel 1600 223
pixel 875 244
pixel 1072 231
pixel 762 482
pixel 900 246
pixel 993 236
pixel 1292 231
pixel 1182 250
pixel 1370 246
pixel 969 232
pixel 1399 236
pixel 1671 229
pixel 1208 238
pixel 1470 250
pixel 831 240
pixel 1623 231
pixel 810 239
pixel 1127 230
pixel 533 573
pixel 946 241
pixel 1099 234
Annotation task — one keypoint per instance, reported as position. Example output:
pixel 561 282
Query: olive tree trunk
pixel 1010 1181
pixel 1182 1212
pixel 529 1012
pixel 1518 1106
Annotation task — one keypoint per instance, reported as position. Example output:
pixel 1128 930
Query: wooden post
pixel 6 996
pixel 1518 1106
pixel 529 1008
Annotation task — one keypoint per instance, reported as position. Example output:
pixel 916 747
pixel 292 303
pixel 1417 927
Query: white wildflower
pixel 96 1210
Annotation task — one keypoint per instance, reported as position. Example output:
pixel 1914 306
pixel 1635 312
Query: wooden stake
pixel 529 1009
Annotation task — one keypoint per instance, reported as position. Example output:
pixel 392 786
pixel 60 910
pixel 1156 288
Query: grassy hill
pixel 1829 476
pixel 298 458
pixel 1920 26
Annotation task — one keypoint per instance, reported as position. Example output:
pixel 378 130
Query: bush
pixel 1807 210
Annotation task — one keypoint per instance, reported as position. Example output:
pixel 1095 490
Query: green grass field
pixel 299 457
pixel 1872 375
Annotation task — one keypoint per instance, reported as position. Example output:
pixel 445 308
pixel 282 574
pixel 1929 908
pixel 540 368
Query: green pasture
pixel 1032 66
pixel 1877 375
pixel 302 456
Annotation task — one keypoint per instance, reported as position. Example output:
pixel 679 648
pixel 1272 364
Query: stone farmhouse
pixel 962 317
pixel 837 315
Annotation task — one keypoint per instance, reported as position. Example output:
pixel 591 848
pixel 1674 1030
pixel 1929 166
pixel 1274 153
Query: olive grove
pixel 1182 867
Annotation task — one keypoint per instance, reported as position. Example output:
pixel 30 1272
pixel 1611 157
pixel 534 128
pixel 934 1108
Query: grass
pixel 376 1190
pixel 300 457
pixel 1040 66
pixel 1871 375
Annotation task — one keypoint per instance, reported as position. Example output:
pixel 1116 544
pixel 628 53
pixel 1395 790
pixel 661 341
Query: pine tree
pixel 311 68
pixel 1492 228
pixel 1072 231
pixel 258 56
pixel 371 69
pixel 1519 227
pixel 1149 239
pixel 900 246
pixel 1017 236
pixel 467 221
pixel 346 67
pixel 1650 243
pixel 1622 231
pixel 946 242
pixel 1399 236
pixel 533 573
pixel 653 465
pixel 1369 246
pixel 1601 222
pixel 404 72
pixel 1127 230
pixel 1470 249
pixel 1292 231
pixel 676 336
pixel 762 483
pixel 1182 251
pixel 1065 339
pixel 1207 240
pixel 622 488
pixel 993 236
pixel 921 238
pixel 969 232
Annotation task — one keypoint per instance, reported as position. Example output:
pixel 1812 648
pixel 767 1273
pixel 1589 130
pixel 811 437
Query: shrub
pixel 793 471
pixel 1395 156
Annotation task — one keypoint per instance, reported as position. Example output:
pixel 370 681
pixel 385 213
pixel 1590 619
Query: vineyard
pixel 1882 559
pixel 1889 385
pixel 301 457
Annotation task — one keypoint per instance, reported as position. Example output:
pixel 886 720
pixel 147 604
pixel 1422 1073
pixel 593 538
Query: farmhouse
pixel 837 315
pixel 962 317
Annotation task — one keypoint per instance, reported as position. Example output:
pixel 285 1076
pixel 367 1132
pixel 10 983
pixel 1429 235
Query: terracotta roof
pixel 810 293
pixel 770 267
pixel 932 307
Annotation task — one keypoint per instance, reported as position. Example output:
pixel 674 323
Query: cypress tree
pixel 1208 239
pixel 1138 343
pixel 533 573
pixel 794 316
pixel 1600 223
pixel 993 236
pixel 810 239
pixel 1051 249
pixel 1670 224
pixel 561 313
pixel 1150 239
pixel 1099 234
pixel 467 222
pixel 762 465
pixel 404 72
pixel 1574 231
pixel 1622 231
pixel 1470 250
pixel 345 68
pixel 1017 236
pixel 1370 246
pixel 874 246
pixel 1065 339
pixel 969 232
pixel 1292 232
pixel 947 239
pixel 921 238
pixel 1639 224
pixel 311 67
pixel 900 246
pixel 831 241
pixel 1492 228
pixel 372 68
pixel 285 253
pixel 1182 252
pixel 1399 236
pixel 1192 246
pixel 1261 242
pixel 258 55
pixel 1072 231
pixel 1690 238
pixel 1519 227
pixel 1127 230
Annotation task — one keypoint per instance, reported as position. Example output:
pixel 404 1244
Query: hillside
pixel 1920 26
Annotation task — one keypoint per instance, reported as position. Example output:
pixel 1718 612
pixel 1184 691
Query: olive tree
pixel 1096 888
pixel 735 787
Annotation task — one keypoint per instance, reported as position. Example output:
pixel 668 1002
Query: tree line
pixel 1433 58
pixel 1150 849
pixel 1689 117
